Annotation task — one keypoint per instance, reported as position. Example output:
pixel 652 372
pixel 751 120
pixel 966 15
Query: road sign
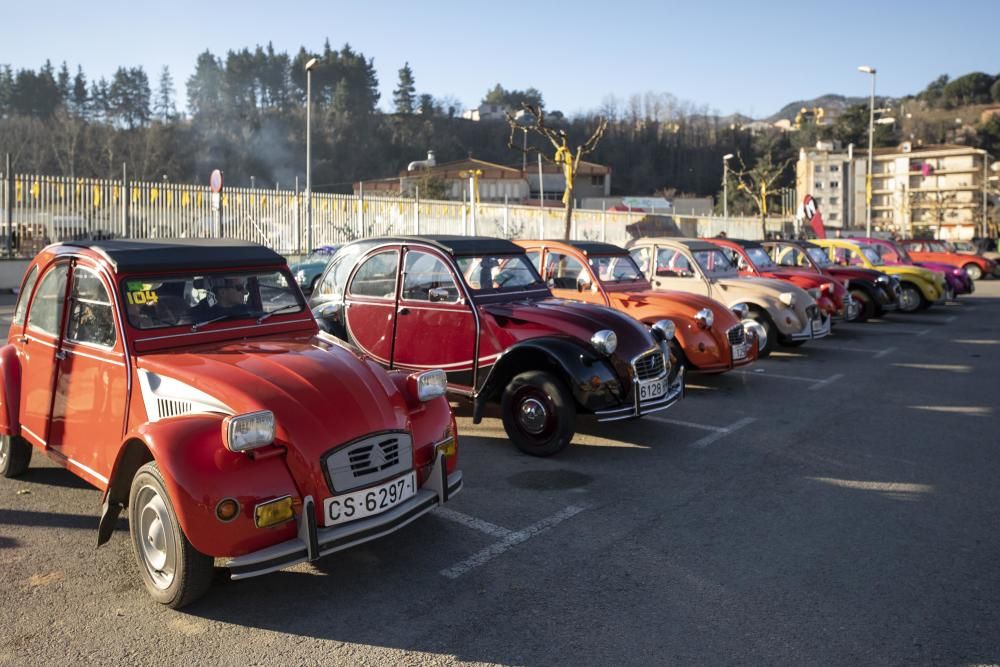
pixel 215 181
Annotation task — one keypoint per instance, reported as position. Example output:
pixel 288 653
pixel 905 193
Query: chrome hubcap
pixel 4 448
pixel 909 299
pixel 533 416
pixel 156 538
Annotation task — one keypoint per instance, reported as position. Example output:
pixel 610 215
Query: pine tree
pixel 404 95
pixel 163 107
pixel 79 99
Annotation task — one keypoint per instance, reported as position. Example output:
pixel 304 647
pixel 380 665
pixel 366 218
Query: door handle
pixel 403 311
pixel 23 340
pixel 60 355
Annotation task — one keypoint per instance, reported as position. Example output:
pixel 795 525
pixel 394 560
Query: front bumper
pixel 818 327
pixel 675 391
pixel 314 542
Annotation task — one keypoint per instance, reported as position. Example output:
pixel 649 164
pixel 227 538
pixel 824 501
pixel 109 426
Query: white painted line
pixel 886 351
pixel 829 380
pixel 923 333
pixel 889 330
pixel 679 422
pixel 761 373
pixel 472 522
pixel 951 318
pixel 510 541
pixel 877 353
pixel 732 428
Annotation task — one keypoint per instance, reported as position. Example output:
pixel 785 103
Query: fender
pixel 928 289
pixel 689 335
pixel 198 472
pixel 574 364
pixel 10 391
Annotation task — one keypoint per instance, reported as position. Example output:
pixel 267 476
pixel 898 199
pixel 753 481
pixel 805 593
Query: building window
pixel 819 185
pixel 834 201
pixel 834 168
pixel 819 169
pixel 832 216
pixel 818 200
pixel 597 180
pixel 834 184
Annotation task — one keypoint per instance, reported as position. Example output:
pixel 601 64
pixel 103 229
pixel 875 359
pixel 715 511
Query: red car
pixel 477 308
pixel 938 251
pixel 751 258
pixel 188 381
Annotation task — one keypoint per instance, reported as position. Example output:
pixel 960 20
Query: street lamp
pixel 725 184
pixel 309 207
pixel 871 140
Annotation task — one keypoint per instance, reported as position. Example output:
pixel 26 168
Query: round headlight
pixel 787 298
pixel 757 329
pixel 664 330
pixel 740 310
pixel 604 341
pixel 705 318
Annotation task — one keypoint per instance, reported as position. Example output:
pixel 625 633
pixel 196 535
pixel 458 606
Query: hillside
pixel 834 105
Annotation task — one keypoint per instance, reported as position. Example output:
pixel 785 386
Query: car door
pixel 38 346
pixel 435 326
pixel 91 377
pixel 571 279
pixel 370 303
pixel 675 270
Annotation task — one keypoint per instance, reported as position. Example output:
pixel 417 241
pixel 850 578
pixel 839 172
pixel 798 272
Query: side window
pixel 671 263
pixel 50 299
pixel 536 258
pixel 737 259
pixel 22 298
pixel 562 270
pixel 333 283
pixel 641 257
pixel 427 278
pixel 377 276
pixel 91 317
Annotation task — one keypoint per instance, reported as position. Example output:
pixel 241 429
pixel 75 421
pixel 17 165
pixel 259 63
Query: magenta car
pixel 957 280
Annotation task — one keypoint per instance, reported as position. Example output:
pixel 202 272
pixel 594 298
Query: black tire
pixel 869 308
pixel 911 299
pixel 15 455
pixel 538 413
pixel 678 352
pixel 973 271
pixel 185 573
pixel 763 319
pixel 312 285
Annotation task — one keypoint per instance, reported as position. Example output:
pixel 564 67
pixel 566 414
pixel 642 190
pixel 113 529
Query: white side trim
pixel 155 387
pixel 89 471
pixel 34 435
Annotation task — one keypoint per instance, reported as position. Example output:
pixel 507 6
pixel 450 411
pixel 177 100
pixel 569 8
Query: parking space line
pixel 891 330
pixel 885 352
pixel 510 541
pixel 864 350
pixel 830 380
pixel 472 522
pixel 951 318
pixel 681 422
pixel 760 372
pixel 732 428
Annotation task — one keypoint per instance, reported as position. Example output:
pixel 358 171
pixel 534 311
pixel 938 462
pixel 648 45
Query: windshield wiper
pixel 226 316
pixel 268 314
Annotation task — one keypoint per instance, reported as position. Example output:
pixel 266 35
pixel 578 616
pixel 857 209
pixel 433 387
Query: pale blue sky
pixel 734 56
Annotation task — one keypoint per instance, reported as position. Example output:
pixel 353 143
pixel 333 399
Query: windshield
pixel 713 262
pixel 615 269
pixel 964 246
pixel 194 299
pixel 760 258
pixel 819 256
pixel 936 246
pixel 872 255
pixel 499 273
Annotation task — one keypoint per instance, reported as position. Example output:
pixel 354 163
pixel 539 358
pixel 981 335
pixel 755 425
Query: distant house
pixel 485 112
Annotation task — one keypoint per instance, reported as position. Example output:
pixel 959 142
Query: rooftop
pixel 170 254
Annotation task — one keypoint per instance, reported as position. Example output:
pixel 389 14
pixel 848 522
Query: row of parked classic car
pixel 233 420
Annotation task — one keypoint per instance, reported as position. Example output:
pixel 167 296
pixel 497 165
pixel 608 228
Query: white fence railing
pixel 37 210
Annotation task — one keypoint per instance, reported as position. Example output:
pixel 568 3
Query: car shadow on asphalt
pixel 53 476
pixel 54 520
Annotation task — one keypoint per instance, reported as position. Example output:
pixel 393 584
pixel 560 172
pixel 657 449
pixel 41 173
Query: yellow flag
pixel 97 197
pixel 763 198
pixel 62 191
pixel 115 193
pixel 185 199
pixel 250 199
pixel 154 194
pixel 225 201
pixel 263 201
pixel 199 199
pixel 136 195
pixel 170 197
pixel 36 189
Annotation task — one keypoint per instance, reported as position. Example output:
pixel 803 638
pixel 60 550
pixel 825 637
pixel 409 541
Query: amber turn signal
pixel 274 512
pixel 227 510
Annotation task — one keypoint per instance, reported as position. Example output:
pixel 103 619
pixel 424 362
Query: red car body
pixel 936 251
pixel 957 280
pixel 831 295
pixel 166 395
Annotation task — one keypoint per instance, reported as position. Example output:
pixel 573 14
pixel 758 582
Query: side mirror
pixel 439 294
pixel 582 284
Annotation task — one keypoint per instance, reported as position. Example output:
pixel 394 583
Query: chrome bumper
pixel 818 327
pixel 674 393
pixel 314 542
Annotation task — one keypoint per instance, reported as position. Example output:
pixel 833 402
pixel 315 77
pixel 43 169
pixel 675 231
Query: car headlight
pixel 705 318
pixel 300 276
pixel 787 298
pixel 757 329
pixel 249 431
pixel 605 341
pixel 740 310
pixel 664 330
pixel 882 279
pixel 429 384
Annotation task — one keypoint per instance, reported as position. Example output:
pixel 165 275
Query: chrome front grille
pixel 649 366
pixel 736 335
pixel 369 460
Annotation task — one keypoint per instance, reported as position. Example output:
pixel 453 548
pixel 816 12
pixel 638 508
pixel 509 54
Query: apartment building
pixel 823 172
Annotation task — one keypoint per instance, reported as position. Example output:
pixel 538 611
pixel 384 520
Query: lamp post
pixel 871 140
pixel 725 184
pixel 309 206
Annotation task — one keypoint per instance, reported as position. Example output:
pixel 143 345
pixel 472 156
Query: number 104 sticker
pixel 141 297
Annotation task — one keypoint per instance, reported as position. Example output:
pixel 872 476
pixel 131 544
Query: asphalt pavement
pixel 835 504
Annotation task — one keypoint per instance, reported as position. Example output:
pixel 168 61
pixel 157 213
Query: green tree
pixel 163 106
pixel 851 127
pixel 988 136
pixel 973 88
pixel 426 105
pixel 934 91
pixel 204 87
pixel 995 90
pixel 129 97
pixel 405 94
pixel 79 99
pixel 513 99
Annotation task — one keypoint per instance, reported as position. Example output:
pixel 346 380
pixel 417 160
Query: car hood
pixel 772 288
pixel 579 320
pixel 674 304
pixel 853 273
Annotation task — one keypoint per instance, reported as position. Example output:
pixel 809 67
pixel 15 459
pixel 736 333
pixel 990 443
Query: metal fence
pixel 38 210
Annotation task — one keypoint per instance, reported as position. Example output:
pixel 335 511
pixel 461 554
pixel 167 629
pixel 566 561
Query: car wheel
pixel 174 572
pixel 765 321
pixel 15 454
pixel 868 306
pixel 678 352
pixel 910 298
pixel 312 285
pixel 538 413
pixel 973 271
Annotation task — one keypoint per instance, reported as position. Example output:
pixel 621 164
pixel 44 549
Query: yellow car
pixel 919 287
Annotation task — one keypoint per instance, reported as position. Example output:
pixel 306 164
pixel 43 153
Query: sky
pixel 731 56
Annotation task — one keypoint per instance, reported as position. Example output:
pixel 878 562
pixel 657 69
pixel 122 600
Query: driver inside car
pixel 222 296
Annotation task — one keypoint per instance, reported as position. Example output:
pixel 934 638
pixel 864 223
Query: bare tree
pixel 564 156
pixel 758 181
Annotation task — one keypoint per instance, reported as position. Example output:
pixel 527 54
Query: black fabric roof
pixel 455 245
pixel 695 244
pixel 595 247
pixel 170 254
pixel 745 243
